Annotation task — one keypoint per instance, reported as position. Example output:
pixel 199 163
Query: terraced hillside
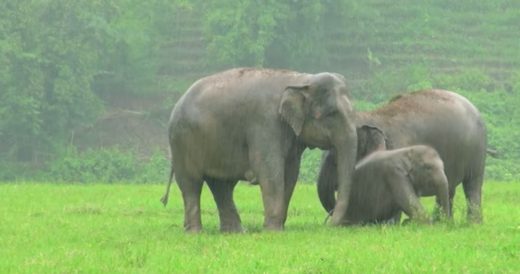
pixel 374 43
pixel 446 36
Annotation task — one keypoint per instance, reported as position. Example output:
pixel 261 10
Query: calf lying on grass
pixel 389 181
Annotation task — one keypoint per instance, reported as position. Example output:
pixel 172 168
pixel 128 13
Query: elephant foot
pixel 419 221
pixel 440 217
pixel 231 229
pixel 474 214
pixel 273 226
pixel 192 228
pixel 475 219
pixel 340 222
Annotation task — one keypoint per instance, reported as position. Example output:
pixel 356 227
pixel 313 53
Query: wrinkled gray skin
pixel 441 119
pixel 387 182
pixel 254 124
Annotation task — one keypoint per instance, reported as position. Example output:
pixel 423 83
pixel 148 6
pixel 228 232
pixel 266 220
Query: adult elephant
pixel 444 120
pixel 255 123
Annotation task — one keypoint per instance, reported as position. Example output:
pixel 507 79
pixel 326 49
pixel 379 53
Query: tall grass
pixel 124 229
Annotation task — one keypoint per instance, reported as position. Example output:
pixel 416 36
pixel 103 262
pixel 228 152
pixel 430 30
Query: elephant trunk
pixel 328 181
pixel 346 151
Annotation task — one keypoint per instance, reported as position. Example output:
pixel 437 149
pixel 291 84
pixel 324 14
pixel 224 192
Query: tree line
pixel 60 59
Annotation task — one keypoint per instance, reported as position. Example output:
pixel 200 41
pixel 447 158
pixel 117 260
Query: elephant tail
pixel 493 153
pixel 166 195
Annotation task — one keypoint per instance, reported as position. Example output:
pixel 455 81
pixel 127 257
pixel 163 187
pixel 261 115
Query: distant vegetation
pixel 79 78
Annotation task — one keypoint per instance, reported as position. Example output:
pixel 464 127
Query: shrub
pixel 154 170
pixel 108 165
pixel 94 166
pixel 310 166
pixel 386 83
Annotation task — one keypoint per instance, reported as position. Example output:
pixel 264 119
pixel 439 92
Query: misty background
pixel 86 86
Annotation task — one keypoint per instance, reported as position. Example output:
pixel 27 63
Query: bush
pixel 154 170
pixel 94 165
pixel 112 165
pixel 470 80
pixel 17 171
pixel 310 166
pixel 385 83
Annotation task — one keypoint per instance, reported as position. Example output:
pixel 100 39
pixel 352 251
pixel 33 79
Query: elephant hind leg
pixel 473 191
pixel 191 189
pixel 223 195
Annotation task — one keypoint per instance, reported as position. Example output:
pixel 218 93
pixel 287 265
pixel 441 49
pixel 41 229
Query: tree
pixel 50 52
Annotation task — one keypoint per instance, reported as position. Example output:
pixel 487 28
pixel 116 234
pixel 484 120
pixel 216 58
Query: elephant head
pixel 321 115
pixel 425 165
pixel 370 139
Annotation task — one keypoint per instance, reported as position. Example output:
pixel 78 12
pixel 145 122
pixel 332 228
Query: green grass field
pixel 124 229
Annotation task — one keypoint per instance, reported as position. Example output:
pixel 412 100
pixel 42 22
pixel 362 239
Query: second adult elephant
pixel 255 123
pixel 441 119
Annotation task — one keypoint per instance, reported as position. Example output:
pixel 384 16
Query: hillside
pixel 382 49
pixel 448 36
pixel 361 38
pixel 365 40
pixel 112 84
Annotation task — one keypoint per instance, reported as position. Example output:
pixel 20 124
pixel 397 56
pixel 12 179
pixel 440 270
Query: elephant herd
pixel 254 124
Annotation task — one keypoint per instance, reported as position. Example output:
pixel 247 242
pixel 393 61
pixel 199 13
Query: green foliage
pixel 99 165
pixel 154 170
pixel 108 166
pixel 132 56
pixel 474 80
pixel 386 83
pixel 49 57
pixel 11 171
pixel 125 229
pixel 61 61
pixel 258 33
pixel 310 166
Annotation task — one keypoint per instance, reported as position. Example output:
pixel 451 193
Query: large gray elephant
pixel 389 181
pixel 444 120
pixel 255 123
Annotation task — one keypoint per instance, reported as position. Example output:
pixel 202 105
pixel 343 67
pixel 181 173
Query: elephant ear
pixel 408 163
pixel 342 78
pixel 376 137
pixel 292 107
pixel 370 139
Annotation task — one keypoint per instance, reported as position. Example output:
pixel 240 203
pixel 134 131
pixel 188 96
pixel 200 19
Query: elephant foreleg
pixel 395 219
pixel 223 195
pixel 442 199
pixel 451 197
pixel 407 199
pixel 292 168
pixel 270 173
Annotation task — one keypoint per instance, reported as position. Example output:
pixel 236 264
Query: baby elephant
pixel 388 181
